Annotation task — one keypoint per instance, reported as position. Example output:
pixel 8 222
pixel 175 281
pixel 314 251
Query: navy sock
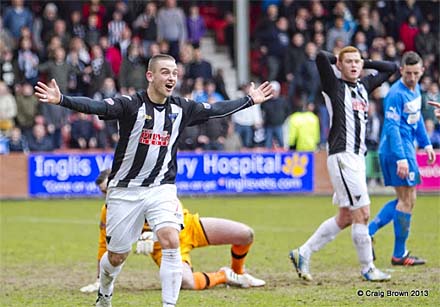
pixel 384 216
pixel 402 221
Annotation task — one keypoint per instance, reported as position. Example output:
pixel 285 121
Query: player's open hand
pixel 262 93
pixel 402 169
pixel 437 108
pixel 431 154
pixel 49 93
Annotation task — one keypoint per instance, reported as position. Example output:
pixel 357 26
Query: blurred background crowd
pixel 100 49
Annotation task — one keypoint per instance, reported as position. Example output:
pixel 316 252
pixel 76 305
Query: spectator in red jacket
pixel 408 32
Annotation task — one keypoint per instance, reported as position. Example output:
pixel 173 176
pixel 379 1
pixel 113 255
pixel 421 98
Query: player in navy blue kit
pixel 347 102
pixel 142 181
pixel 403 125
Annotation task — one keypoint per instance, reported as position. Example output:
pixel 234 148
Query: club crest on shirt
pixel 109 101
pixel 149 137
pixel 172 116
pixel 148 117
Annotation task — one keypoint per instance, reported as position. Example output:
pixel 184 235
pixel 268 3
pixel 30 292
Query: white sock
pixel 171 269
pixel 107 275
pixel 362 242
pixel 325 233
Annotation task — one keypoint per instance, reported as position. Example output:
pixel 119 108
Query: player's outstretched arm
pixel 48 93
pixel 262 93
pixel 108 108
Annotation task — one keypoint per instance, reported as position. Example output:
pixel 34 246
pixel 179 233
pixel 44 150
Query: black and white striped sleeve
pixel 110 108
pixel 201 112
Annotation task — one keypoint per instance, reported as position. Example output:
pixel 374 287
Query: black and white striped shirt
pixel 347 103
pixel 149 132
pixel 115 29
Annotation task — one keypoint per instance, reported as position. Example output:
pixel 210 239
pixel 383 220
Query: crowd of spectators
pixel 287 38
pixel 100 49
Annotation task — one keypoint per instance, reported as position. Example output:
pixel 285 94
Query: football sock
pixel 384 216
pixel 171 270
pixel 362 243
pixel 108 274
pixel 402 221
pixel 238 253
pixel 325 233
pixel 204 280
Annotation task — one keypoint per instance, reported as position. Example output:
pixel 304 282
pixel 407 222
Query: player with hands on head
pixel 198 232
pixel 347 102
pixel 142 181
pixel 403 125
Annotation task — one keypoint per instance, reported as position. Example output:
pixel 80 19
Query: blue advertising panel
pixel 60 175
pixel 250 173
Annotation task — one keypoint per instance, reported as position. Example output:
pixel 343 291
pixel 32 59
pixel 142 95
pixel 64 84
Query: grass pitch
pixel 48 251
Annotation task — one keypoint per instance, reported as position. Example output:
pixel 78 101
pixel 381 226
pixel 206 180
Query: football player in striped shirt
pixel 142 181
pixel 347 102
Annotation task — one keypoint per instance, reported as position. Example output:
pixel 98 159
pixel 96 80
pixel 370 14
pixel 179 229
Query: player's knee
pixel 187 282
pixel 249 235
pixel 405 205
pixel 364 218
pixel 117 259
pixel 344 223
pixel 413 200
pixel 168 237
pixel 344 220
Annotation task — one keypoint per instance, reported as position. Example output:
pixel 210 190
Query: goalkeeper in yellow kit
pixel 198 232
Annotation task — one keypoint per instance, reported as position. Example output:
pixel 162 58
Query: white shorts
pixel 128 208
pixel 347 174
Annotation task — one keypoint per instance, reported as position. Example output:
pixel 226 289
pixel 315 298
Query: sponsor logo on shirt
pixel 206 105
pixel 391 113
pixel 149 137
pixel 359 105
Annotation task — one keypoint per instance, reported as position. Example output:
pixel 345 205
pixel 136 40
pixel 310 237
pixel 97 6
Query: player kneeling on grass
pixel 198 232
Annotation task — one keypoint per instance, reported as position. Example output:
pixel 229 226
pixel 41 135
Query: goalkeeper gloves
pixel 90 288
pixel 145 244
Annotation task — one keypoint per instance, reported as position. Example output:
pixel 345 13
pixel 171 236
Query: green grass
pixel 48 251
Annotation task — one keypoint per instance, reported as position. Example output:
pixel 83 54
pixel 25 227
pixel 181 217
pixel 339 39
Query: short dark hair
pixel 103 175
pixel 411 58
pixel 158 57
